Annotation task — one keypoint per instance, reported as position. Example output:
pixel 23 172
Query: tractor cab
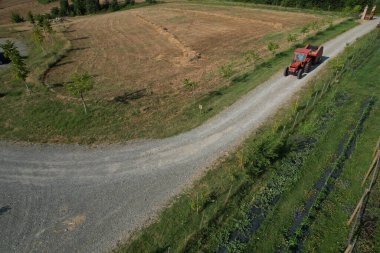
pixel 299 56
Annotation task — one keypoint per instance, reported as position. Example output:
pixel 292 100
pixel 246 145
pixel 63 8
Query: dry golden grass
pixel 158 47
pixel 22 7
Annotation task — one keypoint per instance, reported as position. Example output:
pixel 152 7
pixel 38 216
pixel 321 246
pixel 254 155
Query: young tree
pixel 64 7
pixel 292 37
pixel 30 17
pixel 114 5
pixel 273 47
pixel 92 6
pixel 79 85
pixel 106 5
pixel 39 20
pixel 54 12
pixel 19 68
pixel 305 30
pixel 79 7
pixel 37 36
pixel 46 26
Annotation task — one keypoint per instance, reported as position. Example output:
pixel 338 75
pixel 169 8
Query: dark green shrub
pixel 114 6
pixel 30 17
pixel 261 154
pixel 92 6
pixel 64 7
pixel 16 18
pixel 54 12
pixel 46 1
pixel 106 5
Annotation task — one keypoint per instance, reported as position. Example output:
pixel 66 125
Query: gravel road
pixel 69 198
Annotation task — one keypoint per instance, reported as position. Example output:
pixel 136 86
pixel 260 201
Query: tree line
pixel 85 7
pixel 320 4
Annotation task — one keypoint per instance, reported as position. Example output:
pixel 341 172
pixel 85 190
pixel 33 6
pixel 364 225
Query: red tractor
pixel 304 59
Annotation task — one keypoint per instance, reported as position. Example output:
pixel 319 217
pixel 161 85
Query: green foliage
pixel 46 26
pixel 315 26
pixel 19 68
pixel 273 47
pixel 260 154
pixel 151 1
pixel 114 6
pixel 79 7
pixel 16 18
pixel 251 55
pixel 189 84
pixel 54 12
pixel 226 70
pixel 80 84
pixel 8 48
pixel 106 4
pixel 37 36
pixel 92 6
pixel 30 17
pixel 305 30
pixel 64 7
pixel 323 4
pixel 292 37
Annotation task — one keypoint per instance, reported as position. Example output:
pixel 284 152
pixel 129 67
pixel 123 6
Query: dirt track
pixel 75 199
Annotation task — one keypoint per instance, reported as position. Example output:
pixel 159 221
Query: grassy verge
pixel 45 117
pixel 330 231
pixel 248 201
pixel 369 234
pixel 265 6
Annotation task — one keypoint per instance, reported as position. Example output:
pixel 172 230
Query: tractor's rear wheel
pixel 286 72
pixel 300 73
pixel 308 67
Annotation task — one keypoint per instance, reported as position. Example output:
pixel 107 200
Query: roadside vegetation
pixel 41 117
pixel 293 185
pixel 330 5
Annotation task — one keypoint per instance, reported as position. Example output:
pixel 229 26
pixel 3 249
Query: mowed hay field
pixel 183 62
pixel 159 46
pixel 22 7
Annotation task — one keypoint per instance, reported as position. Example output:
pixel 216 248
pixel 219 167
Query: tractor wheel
pixel 308 67
pixel 286 72
pixel 299 74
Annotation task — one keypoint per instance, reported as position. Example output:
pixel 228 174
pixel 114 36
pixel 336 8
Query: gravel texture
pixel 69 198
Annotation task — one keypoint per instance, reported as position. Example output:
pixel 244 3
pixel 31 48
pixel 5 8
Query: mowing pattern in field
pixel 22 7
pixel 158 47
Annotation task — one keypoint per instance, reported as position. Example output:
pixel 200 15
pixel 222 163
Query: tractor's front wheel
pixel 308 67
pixel 286 72
pixel 299 74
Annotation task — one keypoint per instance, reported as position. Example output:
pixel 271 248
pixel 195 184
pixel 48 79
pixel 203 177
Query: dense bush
pixel 54 12
pixel 64 8
pixel 16 18
pixel 259 156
